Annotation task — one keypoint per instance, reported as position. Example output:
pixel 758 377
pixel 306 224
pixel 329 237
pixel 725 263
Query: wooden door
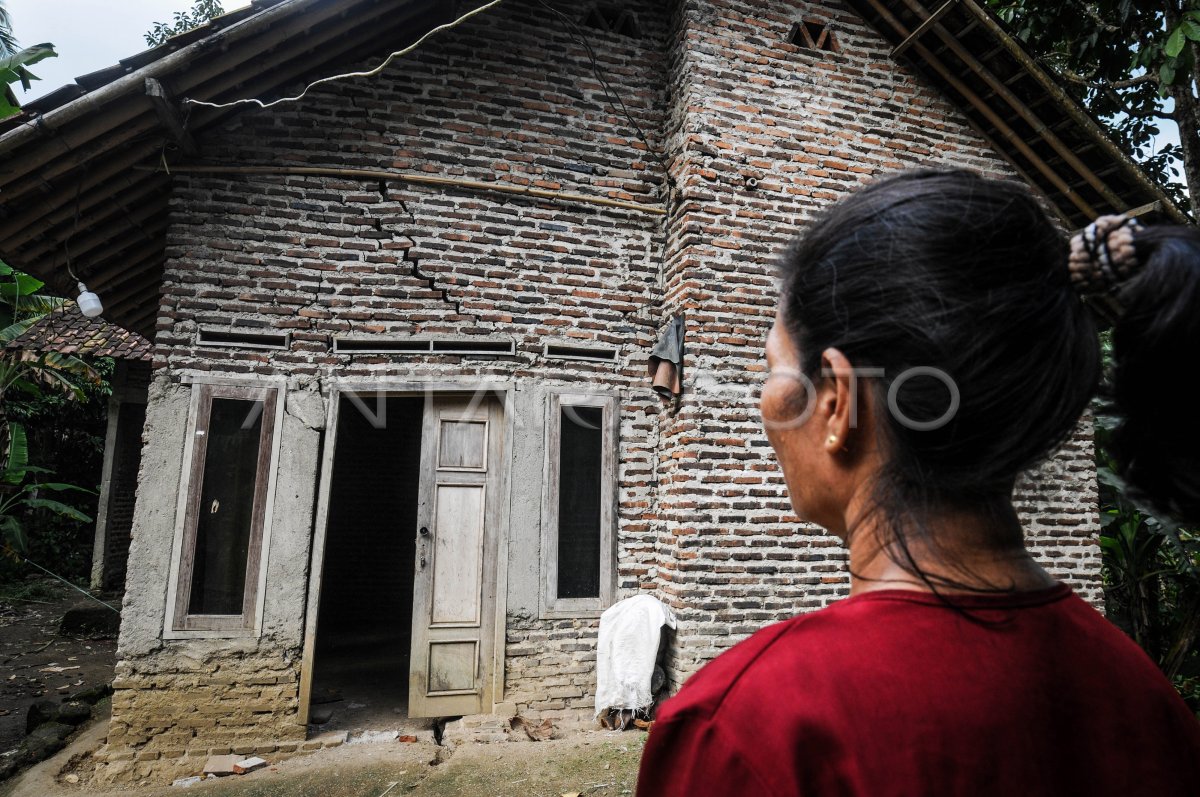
pixel 454 600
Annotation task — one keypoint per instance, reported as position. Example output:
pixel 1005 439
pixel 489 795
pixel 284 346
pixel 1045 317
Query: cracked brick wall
pixel 763 134
pixel 759 134
pixel 511 98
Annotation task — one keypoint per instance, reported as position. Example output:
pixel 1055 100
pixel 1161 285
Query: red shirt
pixel 892 693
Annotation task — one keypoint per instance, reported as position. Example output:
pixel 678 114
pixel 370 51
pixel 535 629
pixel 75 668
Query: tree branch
pixel 1133 113
pixel 1102 85
pixel 1104 24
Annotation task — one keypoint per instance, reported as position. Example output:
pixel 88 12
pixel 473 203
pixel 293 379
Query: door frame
pixel 504 391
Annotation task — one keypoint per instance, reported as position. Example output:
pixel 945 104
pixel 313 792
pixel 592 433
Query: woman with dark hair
pixel 935 338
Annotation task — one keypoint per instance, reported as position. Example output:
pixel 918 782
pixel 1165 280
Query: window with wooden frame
pixel 579 507
pixel 228 483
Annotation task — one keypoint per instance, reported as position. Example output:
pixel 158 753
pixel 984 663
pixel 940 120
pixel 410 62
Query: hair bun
pixel 1104 255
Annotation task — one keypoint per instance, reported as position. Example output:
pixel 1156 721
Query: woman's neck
pixel 958 552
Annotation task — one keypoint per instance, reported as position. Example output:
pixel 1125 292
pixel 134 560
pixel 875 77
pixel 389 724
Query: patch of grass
pixel 30 591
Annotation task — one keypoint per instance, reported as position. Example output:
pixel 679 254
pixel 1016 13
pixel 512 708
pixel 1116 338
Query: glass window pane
pixel 581 443
pixel 225 516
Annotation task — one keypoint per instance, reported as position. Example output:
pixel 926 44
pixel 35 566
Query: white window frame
pixel 179 625
pixel 553 606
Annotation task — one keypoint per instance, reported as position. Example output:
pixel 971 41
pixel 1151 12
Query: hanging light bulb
pixel 89 303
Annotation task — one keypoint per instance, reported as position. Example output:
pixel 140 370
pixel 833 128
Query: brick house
pixel 400 441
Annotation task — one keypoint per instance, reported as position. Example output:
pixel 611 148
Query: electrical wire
pixel 348 75
pixel 614 99
pixel 75 223
pixel 72 586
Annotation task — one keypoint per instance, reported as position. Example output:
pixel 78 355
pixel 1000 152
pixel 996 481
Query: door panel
pixel 454 596
pixel 453 666
pixel 462 444
pixel 457 554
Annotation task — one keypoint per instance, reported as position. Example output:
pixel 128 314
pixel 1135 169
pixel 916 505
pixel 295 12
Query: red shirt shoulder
pixel 703 693
pixel 892 692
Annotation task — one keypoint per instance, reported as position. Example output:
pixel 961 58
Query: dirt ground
pixel 590 763
pixel 39 663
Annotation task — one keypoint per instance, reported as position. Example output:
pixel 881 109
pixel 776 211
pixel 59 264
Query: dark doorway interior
pixel 364 623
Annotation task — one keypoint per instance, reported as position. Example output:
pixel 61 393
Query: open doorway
pixel 364 620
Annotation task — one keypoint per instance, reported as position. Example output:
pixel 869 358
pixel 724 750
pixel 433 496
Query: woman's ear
pixel 838 403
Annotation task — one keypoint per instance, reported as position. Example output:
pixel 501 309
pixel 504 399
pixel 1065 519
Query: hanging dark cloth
pixel 666 360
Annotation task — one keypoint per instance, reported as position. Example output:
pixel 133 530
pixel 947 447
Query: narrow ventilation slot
pixel 811 35
pixel 474 346
pixel 232 338
pixel 383 345
pixel 564 351
pixel 611 19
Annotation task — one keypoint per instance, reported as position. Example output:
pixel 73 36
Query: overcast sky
pixel 88 34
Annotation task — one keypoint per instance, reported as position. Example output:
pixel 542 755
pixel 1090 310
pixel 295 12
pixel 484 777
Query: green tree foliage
pixel 182 21
pixel 8 42
pixel 26 380
pixel 1133 64
pixel 15 69
pixel 14 64
pixel 65 435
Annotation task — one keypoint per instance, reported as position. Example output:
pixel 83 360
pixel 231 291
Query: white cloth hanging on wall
pixel 626 652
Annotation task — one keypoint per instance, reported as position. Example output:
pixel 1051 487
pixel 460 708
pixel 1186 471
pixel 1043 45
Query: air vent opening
pixel 811 35
pixel 572 351
pixel 611 19
pixel 381 345
pixel 243 339
pixel 474 346
pixel 463 346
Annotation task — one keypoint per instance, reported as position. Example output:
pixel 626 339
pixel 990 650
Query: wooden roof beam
pixel 40 171
pixel 1039 101
pixel 1068 104
pixel 106 173
pixel 1021 172
pixel 132 192
pixel 298 55
pixel 295 48
pixel 170 117
pixel 1014 102
pixel 53 144
pixel 117 262
pixel 982 108
pixel 95 236
pixel 145 322
pixel 109 274
pixel 55 134
pixel 133 287
pixel 250 36
pixel 972 24
pixel 924 27
pixel 147 294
